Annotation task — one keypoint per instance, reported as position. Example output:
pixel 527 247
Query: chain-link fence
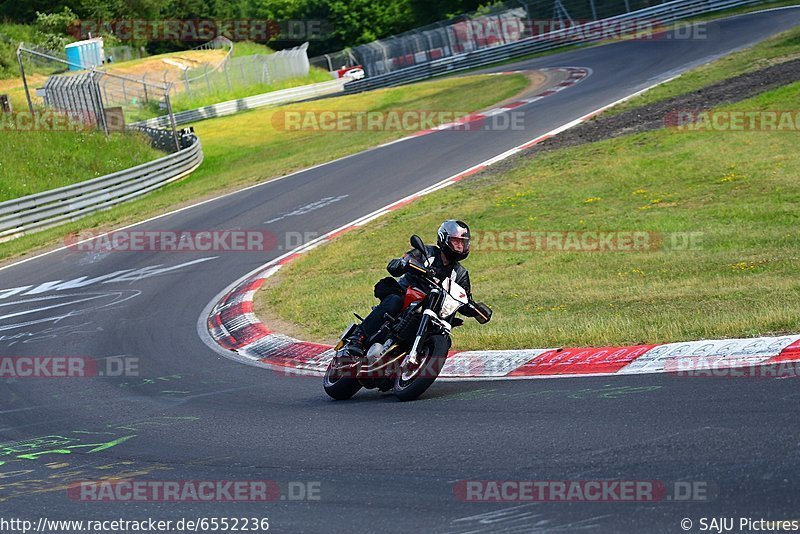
pixel 142 93
pixel 501 24
pixel 116 90
pixel 88 95
pixel 96 98
pixel 118 54
pixel 241 72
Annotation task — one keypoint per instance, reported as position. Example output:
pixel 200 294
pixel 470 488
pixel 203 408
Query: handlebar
pixel 483 313
pixel 420 270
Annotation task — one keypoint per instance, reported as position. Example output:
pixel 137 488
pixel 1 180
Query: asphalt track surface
pixel 381 465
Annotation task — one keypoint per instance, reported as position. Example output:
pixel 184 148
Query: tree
pixel 24 11
pixel 52 28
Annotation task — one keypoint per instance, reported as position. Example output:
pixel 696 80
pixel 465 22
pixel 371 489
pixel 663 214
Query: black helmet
pixel 454 235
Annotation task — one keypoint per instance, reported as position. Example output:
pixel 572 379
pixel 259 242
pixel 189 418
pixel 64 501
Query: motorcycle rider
pixel 452 247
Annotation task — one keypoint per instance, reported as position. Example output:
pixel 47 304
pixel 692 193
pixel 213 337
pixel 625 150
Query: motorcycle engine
pixel 378 350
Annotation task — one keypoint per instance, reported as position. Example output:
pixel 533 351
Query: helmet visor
pixel 459 244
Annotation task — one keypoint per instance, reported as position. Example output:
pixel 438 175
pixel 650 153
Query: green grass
pixel 779 48
pixel 17 96
pixel 246 149
pixel 31 162
pixel 738 190
pixel 249 48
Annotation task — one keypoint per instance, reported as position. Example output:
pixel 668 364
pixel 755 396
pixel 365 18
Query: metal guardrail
pixel 231 107
pixel 663 13
pixel 50 208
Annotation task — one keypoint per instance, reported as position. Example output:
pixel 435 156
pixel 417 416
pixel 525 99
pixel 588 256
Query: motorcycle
pixel 408 352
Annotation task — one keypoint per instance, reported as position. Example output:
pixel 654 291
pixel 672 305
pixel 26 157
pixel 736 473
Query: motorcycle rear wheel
pixel 338 386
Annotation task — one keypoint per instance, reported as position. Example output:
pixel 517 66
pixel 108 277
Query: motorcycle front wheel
pixel 413 382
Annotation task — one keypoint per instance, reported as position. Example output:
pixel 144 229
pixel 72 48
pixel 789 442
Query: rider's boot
pixel 354 348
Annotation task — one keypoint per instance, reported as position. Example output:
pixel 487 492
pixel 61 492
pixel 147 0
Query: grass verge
pixel 246 148
pixel 737 193
pixel 32 162
pixel 779 48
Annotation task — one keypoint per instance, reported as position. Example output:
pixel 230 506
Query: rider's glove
pixel 397 267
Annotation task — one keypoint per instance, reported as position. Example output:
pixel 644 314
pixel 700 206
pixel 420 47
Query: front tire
pixel 339 386
pixel 409 386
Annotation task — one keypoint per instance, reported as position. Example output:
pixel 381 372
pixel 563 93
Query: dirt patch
pixel 156 69
pixel 652 116
pixel 537 81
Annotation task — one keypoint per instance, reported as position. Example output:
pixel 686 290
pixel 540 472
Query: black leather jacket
pixel 442 271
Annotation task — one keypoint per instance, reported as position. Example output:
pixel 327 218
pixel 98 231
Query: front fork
pixel 434 299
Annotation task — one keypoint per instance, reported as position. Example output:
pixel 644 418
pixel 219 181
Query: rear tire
pixel 433 354
pixel 340 387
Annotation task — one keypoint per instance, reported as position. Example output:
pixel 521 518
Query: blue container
pixel 74 56
pixel 85 54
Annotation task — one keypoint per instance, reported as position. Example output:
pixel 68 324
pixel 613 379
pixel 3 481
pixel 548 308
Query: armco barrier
pixel 664 13
pixel 231 107
pixel 36 212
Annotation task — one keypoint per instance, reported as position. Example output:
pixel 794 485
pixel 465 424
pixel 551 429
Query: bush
pixel 52 28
